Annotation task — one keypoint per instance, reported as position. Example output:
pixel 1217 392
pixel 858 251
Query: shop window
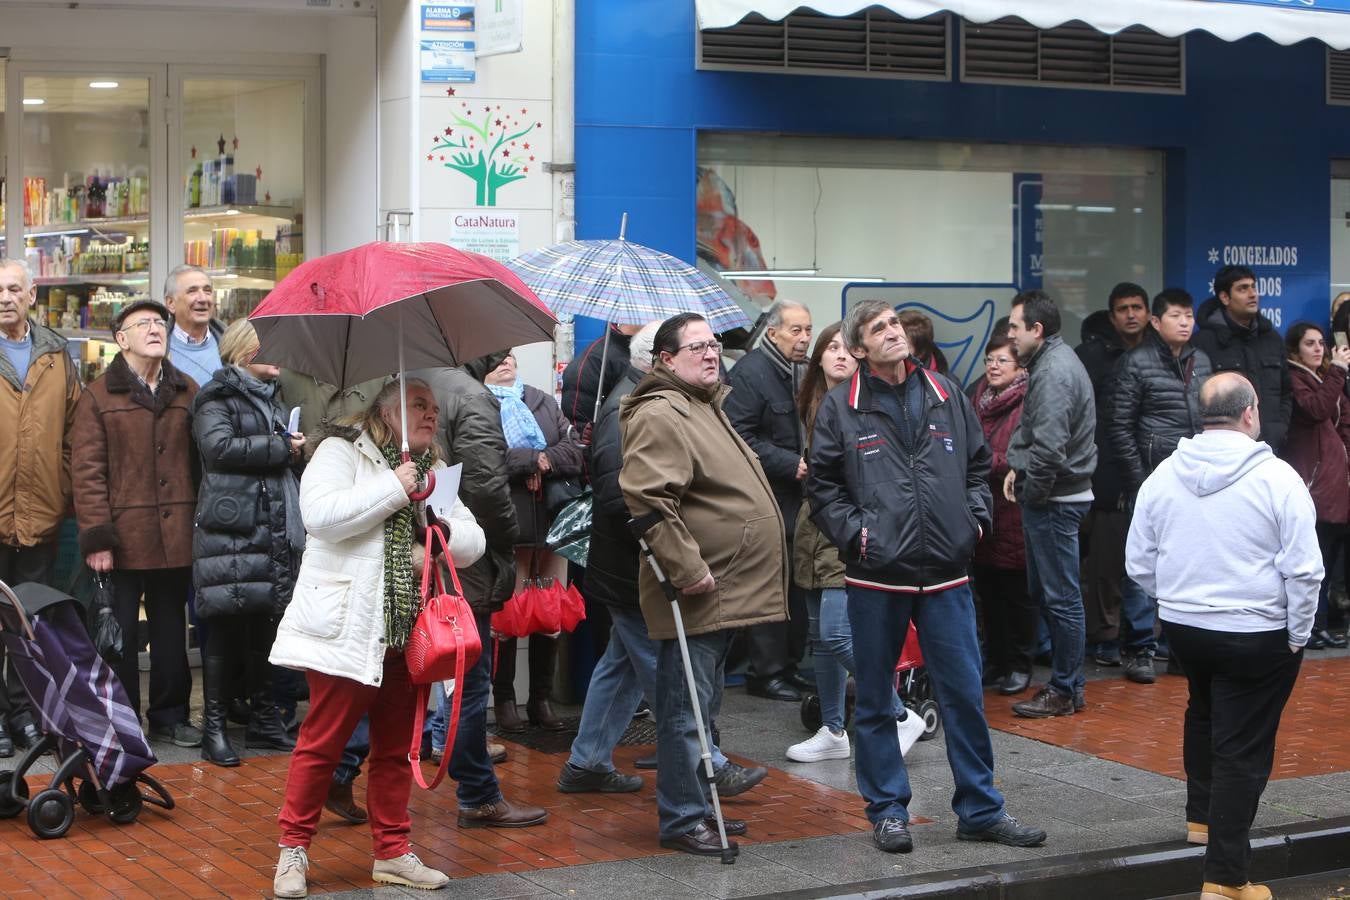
pixel 818 213
pixel 874 42
pixel 1340 226
pixel 4 166
pixel 242 164
pixel 1073 55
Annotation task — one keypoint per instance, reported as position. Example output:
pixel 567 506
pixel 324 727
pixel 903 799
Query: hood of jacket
pixel 1098 327
pixel 660 381
pixel 232 380
pixel 1213 460
pixel 1218 321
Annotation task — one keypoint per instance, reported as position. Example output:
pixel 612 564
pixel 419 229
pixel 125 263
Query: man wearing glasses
pixel 134 503
pixel 696 490
pixel 39 388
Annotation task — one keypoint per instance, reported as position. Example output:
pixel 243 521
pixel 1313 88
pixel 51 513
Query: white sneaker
pixel 409 871
pixel 291 868
pixel 824 744
pixel 910 729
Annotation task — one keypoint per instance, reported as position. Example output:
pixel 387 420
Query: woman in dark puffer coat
pixel 248 537
pixel 1009 612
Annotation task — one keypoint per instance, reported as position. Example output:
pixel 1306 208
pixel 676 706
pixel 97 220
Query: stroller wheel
pixel 51 813
pixel 811 712
pixel 88 795
pixel 10 807
pixel 932 719
pixel 125 803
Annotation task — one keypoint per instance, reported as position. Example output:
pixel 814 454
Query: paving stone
pixel 615 881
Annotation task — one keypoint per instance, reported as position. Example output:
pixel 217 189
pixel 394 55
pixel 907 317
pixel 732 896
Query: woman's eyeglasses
pixel 999 361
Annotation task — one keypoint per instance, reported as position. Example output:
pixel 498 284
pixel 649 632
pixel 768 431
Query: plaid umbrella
pixel 625 283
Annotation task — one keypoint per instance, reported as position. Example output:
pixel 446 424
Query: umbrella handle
pixel 425 492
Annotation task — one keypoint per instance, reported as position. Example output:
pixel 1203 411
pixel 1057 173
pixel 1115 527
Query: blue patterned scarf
pixel 522 431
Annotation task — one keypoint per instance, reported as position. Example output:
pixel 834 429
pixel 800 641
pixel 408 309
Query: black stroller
pixel 101 753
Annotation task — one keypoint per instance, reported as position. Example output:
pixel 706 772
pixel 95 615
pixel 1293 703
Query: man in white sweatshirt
pixel 1223 535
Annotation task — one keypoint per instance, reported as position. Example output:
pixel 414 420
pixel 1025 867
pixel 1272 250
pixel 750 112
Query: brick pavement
pixel 1140 725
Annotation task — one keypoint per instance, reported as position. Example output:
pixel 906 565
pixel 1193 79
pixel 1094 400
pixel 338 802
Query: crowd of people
pixel 808 505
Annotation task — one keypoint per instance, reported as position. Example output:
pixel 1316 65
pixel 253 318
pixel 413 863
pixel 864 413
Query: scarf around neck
pixel 402 595
pixel 518 423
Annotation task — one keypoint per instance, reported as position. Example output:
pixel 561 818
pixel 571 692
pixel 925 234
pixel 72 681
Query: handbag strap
pixel 451 725
pixel 428 579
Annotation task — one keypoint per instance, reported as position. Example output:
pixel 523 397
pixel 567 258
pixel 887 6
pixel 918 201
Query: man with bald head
pixel 1223 535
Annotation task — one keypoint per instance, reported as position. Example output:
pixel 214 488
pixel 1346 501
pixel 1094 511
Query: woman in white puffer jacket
pixel 356 598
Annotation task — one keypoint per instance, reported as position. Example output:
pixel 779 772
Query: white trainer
pixel 824 744
pixel 910 729
pixel 409 871
pixel 290 878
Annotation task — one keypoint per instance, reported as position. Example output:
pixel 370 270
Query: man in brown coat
pixel 709 515
pixel 38 391
pixel 134 502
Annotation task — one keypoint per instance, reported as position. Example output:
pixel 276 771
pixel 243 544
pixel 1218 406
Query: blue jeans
pixel 1051 535
pixel 625 673
pixel 354 754
pixel 681 794
pixel 951 649
pixel 832 653
pixel 1136 614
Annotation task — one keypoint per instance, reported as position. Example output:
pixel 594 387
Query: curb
pixel 1125 873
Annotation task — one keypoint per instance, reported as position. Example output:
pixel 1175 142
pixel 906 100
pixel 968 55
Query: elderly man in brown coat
pixel 134 502
pixel 710 518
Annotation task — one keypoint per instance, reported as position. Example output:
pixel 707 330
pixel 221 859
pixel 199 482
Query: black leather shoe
pixel 799 681
pixel 733 779
pixel 573 780
pixel 1014 683
pixel 892 836
pixel 1327 639
pixel 28 736
pixel 1006 830
pixel 775 688
pixel 645 762
pixel 700 841
pixel 1315 642
pixel 734 827
pixel 6 743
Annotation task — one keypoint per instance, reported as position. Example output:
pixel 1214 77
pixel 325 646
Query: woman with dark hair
pixel 1316 448
pixel 356 599
pixel 540 446
pixel 1009 613
pixel 816 567
pixel 923 349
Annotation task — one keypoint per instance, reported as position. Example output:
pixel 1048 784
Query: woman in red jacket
pixel 1009 612
pixel 1316 448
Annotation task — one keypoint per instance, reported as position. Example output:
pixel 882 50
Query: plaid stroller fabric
pixel 74 691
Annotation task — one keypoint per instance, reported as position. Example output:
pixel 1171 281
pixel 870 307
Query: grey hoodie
pixel 1224 536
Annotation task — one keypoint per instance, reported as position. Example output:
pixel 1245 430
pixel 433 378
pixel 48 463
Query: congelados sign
pixel 1240 255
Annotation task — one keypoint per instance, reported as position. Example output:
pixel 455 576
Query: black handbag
pixel 558 492
pixel 231 503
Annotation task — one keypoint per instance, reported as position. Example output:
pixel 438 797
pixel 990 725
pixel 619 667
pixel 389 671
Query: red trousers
pixel 336 705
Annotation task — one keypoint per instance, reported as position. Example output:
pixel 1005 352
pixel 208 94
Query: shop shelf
pixel 235 213
pixel 244 278
pixel 113 279
pixel 85 334
pixel 84 225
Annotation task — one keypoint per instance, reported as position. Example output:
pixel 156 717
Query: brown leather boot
pixel 502 814
pixel 541 714
pixel 341 803
pixel 508 717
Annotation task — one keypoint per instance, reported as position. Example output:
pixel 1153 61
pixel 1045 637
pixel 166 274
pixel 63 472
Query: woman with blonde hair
pixel 356 600
pixel 247 541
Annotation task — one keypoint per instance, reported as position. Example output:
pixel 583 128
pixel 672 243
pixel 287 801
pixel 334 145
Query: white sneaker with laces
pixel 910 729
pixel 291 868
pixel 409 871
pixel 824 744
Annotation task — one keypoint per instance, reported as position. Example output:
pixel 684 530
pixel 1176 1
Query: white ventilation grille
pixel 1338 77
pixel 872 43
pixel 1073 55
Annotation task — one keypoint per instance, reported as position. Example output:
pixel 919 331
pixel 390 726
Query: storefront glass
pixel 1074 221
pixel 242 170
pixel 4 165
pixel 1340 226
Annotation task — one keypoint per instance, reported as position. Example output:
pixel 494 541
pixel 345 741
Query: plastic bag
pixel 103 627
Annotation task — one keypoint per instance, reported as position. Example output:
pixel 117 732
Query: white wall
pixel 351 123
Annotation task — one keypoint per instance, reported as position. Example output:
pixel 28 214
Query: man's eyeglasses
pixel 999 361
pixel 701 347
pixel 145 325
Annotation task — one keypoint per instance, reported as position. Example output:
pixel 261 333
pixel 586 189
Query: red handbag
pixel 443 644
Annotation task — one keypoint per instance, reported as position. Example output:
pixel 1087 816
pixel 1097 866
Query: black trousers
pixel 1103 567
pixel 18 565
pixel 1239 684
pixel 165 592
pixel 1330 535
pixel 778 647
pixel 1010 616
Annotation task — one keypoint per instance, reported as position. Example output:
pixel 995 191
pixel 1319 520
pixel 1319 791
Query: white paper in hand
pixel 293 424
pixel 442 499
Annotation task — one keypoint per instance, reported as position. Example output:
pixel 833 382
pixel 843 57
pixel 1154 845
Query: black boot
pixel 6 742
pixel 215 743
pixel 265 730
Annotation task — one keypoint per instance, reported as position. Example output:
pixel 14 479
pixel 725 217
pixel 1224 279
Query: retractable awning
pixel 1283 21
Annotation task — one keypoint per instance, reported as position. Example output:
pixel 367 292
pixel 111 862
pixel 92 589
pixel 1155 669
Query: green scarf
pixel 402 595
